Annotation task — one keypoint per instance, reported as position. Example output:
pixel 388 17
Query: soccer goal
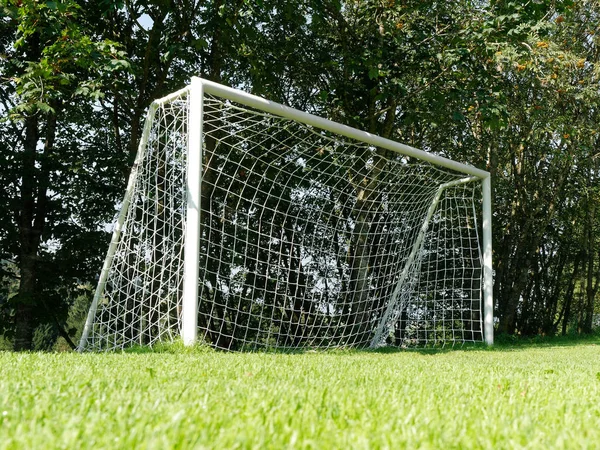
pixel 249 225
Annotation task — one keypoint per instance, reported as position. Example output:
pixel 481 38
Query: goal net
pixel 249 225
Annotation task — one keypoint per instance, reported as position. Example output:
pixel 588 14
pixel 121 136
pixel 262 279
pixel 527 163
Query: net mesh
pixel 308 239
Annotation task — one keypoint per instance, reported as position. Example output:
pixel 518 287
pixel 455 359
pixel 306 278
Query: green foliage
pixel 44 337
pixel 504 342
pixel 56 71
pixel 66 56
pixel 5 344
pixel 8 288
pixel 525 398
pixel 508 86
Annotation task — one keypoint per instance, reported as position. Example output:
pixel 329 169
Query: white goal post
pixel 247 224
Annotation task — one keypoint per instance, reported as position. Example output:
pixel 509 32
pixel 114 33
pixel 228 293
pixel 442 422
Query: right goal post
pixel 248 224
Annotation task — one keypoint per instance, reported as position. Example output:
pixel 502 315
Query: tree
pixel 53 73
pixel 503 85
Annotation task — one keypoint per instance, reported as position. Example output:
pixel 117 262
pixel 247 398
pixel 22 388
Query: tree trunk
pixel 592 274
pixel 569 294
pixel 25 310
pixel 34 187
pixel 367 194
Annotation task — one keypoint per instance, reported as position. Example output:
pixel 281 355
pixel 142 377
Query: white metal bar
pixel 488 277
pixel 388 321
pixel 114 242
pixel 189 307
pixel 319 122
pixel 174 95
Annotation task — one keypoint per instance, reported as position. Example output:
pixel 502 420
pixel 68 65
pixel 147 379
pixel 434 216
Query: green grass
pixel 528 397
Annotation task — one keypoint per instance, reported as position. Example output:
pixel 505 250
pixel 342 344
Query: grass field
pixel 525 397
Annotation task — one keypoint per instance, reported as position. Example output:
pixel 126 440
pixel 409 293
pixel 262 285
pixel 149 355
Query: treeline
pixel 509 87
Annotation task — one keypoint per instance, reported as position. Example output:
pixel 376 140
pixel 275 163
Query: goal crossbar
pixel 278 109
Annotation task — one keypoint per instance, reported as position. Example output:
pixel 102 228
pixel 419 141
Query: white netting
pixel 141 301
pixel 308 239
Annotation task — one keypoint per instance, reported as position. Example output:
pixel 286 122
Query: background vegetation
pixel 511 87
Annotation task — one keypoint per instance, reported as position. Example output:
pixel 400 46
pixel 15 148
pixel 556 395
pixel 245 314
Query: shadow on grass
pixel 502 344
pixel 570 340
pixel 505 343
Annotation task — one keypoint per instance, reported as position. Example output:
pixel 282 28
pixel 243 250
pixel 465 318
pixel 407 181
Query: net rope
pixel 308 240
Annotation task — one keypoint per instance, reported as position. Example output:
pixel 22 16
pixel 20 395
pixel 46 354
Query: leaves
pixel 67 56
pixel 507 86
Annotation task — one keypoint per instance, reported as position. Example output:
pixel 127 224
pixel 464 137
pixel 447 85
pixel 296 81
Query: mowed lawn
pixel 541 398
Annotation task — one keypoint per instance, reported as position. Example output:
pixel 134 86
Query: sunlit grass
pixel 547 397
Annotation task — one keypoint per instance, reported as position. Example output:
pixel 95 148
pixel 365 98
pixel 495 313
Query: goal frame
pixel 196 91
